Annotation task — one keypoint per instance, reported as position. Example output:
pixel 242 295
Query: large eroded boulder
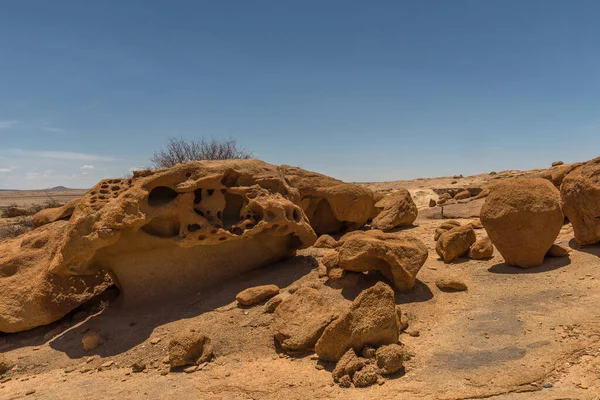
pixel 455 242
pixel 523 218
pixel 398 256
pixel 371 320
pixel 30 295
pixel 580 192
pixel 398 209
pixel 331 205
pixel 160 234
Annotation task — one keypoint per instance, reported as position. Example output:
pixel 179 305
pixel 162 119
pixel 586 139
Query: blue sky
pixel 364 91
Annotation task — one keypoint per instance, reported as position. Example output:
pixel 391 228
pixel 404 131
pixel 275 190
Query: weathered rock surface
pixel 347 365
pixel 189 348
pixel 300 319
pixel 160 234
pixel 445 226
pixel 455 242
pixel 255 295
pixel 432 203
pixel 390 358
pixel 330 204
pixel 398 256
pixel 33 296
pixel 54 214
pixel 523 218
pixel 464 194
pixel 397 209
pixel 326 242
pixel 371 320
pixel 556 250
pixel 482 249
pixel 580 193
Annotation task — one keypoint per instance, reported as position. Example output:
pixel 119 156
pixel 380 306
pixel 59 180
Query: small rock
pixel 345 381
pixel 91 340
pixel 365 377
pixel 450 284
pixel 547 385
pixel 29 392
pixel 390 358
pixel 347 365
pixel 413 333
pixel 155 340
pixel 254 295
pixel 191 369
pixel 138 366
pixel 107 364
pixel 481 249
pixel 432 203
pixel 369 352
pixel 557 163
pixel 319 367
pixel 556 250
pixel 189 348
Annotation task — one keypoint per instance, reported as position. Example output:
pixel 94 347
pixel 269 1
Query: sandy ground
pixel 515 334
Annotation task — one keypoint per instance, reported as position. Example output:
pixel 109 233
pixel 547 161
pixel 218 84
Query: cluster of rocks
pixel 454 195
pixel 454 240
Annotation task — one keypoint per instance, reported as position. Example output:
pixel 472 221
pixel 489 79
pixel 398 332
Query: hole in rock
pixel 115 188
pixel 197 196
pixel 237 231
pixel 104 186
pixel 200 213
pixel 194 227
pixel 230 179
pixel 213 231
pixel 93 192
pixel 207 212
pixel 210 191
pixel 161 195
pixel 296 216
pixel 162 227
pixel 233 207
pixel 219 214
pixel 103 191
pixel 218 225
pixel 116 181
pixel 222 238
pixel 188 174
pixel 201 237
pixel 102 197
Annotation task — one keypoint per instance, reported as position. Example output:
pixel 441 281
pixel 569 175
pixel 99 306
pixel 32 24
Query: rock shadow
pixel 590 248
pixel 550 264
pixel 125 328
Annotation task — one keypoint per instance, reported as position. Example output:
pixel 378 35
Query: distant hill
pixel 59 188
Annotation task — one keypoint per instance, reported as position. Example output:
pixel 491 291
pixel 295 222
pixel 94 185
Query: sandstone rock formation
pixel 481 249
pixel 331 205
pixel 432 203
pixel 49 215
pixel 160 234
pixel 33 296
pixel 326 242
pixel 580 192
pixel 455 242
pixel 464 194
pixel 398 256
pixel 254 295
pixel 189 348
pixel 301 319
pixel 390 358
pixel 371 320
pixel 523 218
pixel 398 209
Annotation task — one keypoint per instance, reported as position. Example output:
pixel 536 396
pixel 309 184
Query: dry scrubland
pixel 244 280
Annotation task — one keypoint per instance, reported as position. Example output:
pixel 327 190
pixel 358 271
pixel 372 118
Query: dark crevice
pixel 161 195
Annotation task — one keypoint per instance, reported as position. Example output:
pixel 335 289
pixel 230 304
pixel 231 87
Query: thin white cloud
pixel 31 175
pixel 7 124
pixel 87 167
pixel 6 169
pixel 62 155
pixel 54 129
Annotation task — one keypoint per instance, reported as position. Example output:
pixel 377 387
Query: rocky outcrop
pixel 580 193
pixel 455 242
pixel 49 215
pixel 161 234
pixel 398 256
pixel 523 218
pixel 397 209
pixel 371 320
pixel 331 205
pixel 445 226
pixel 301 318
